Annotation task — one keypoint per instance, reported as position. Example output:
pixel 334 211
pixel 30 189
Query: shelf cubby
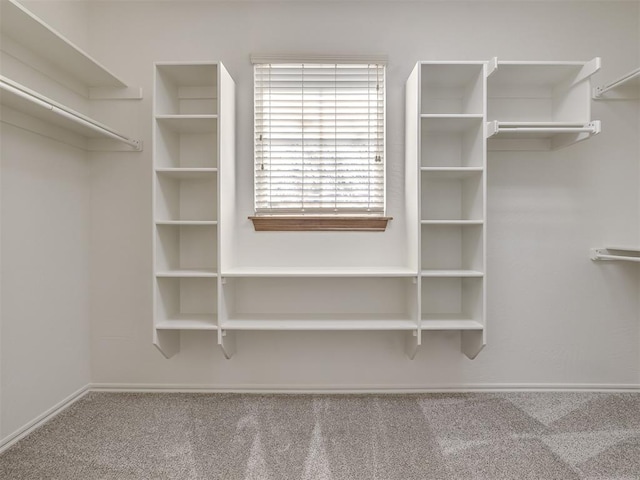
pixel 186 247
pixel 452 88
pixel 186 199
pixel 452 248
pixel 186 142
pixel 452 299
pixel 452 198
pixel 186 89
pixel 452 141
pixel 186 303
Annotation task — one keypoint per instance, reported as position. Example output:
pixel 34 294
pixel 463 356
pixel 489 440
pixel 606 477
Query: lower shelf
pixel 189 322
pixel 318 322
pixel 449 322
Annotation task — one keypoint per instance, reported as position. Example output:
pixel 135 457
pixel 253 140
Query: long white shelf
pixel 189 123
pixel 187 173
pixel 623 88
pixel 188 322
pixel 452 172
pixel 549 74
pixel 451 273
pixel 187 273
pixel 616 253
pixel 319 272
pixel 451 222
pixel 317 322
pixel 456 123
pixel 34 34
pixel 24 100
pixel 187 222
pixel 449 322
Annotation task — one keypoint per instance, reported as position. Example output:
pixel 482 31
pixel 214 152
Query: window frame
pixel 336 221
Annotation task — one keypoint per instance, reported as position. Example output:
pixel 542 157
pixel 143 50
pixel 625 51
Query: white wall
pixel 45 259
pixel 44 248
pixel 554 317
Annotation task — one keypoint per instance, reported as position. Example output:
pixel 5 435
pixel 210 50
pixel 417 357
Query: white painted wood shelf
pixel 451 322
pixel 452 273
pixel 189 322
pixel 319 272
pixel 319 322
pixel 26 29
pixel 626 87
pixel 187 173
pixel 189 123
pixel 187 273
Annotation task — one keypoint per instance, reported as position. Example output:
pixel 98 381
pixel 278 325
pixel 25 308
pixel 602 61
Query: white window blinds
pixel 319 138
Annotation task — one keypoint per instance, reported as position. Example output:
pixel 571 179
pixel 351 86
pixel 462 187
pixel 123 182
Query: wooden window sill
pixel 308 223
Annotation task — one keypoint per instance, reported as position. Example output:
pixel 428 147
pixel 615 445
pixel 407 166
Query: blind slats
pixel 319 138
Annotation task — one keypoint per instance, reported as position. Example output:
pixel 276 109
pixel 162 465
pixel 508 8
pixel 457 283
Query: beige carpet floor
pixel 519 436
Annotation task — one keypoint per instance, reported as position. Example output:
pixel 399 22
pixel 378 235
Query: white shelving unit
pixel 297 300
pixel 193 140
pixel 26 35
pixel 626 87
pixel 446 160
pixel 540 105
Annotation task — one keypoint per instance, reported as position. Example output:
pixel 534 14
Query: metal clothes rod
pixel 545 129
pixel 69 115
pixel 617 257
pixel 621 81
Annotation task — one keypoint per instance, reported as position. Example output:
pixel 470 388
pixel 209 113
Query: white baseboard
pixel 344 389
pixel 25 430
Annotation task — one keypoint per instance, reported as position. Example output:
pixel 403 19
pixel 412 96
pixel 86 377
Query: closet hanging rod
pixel 70 115
pixel 621 81
pixel 547 129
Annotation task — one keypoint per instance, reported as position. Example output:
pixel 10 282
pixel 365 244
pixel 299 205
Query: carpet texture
pixel 542 436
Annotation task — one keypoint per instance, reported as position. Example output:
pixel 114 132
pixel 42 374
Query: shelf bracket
pixel 227 341
pixel 167 342
pixel 472 343
pixel 492 65
pixel 587 70
pixel 412 341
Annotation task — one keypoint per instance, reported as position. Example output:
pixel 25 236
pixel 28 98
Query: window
pixel 319 144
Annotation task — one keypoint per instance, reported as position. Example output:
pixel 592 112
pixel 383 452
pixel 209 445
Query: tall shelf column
pixel 446 138
pixel 193 125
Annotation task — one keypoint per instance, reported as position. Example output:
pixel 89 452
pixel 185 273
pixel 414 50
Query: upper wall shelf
pixel 32 33
pixel 626 87
pixel 23 100
pixel 540 105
